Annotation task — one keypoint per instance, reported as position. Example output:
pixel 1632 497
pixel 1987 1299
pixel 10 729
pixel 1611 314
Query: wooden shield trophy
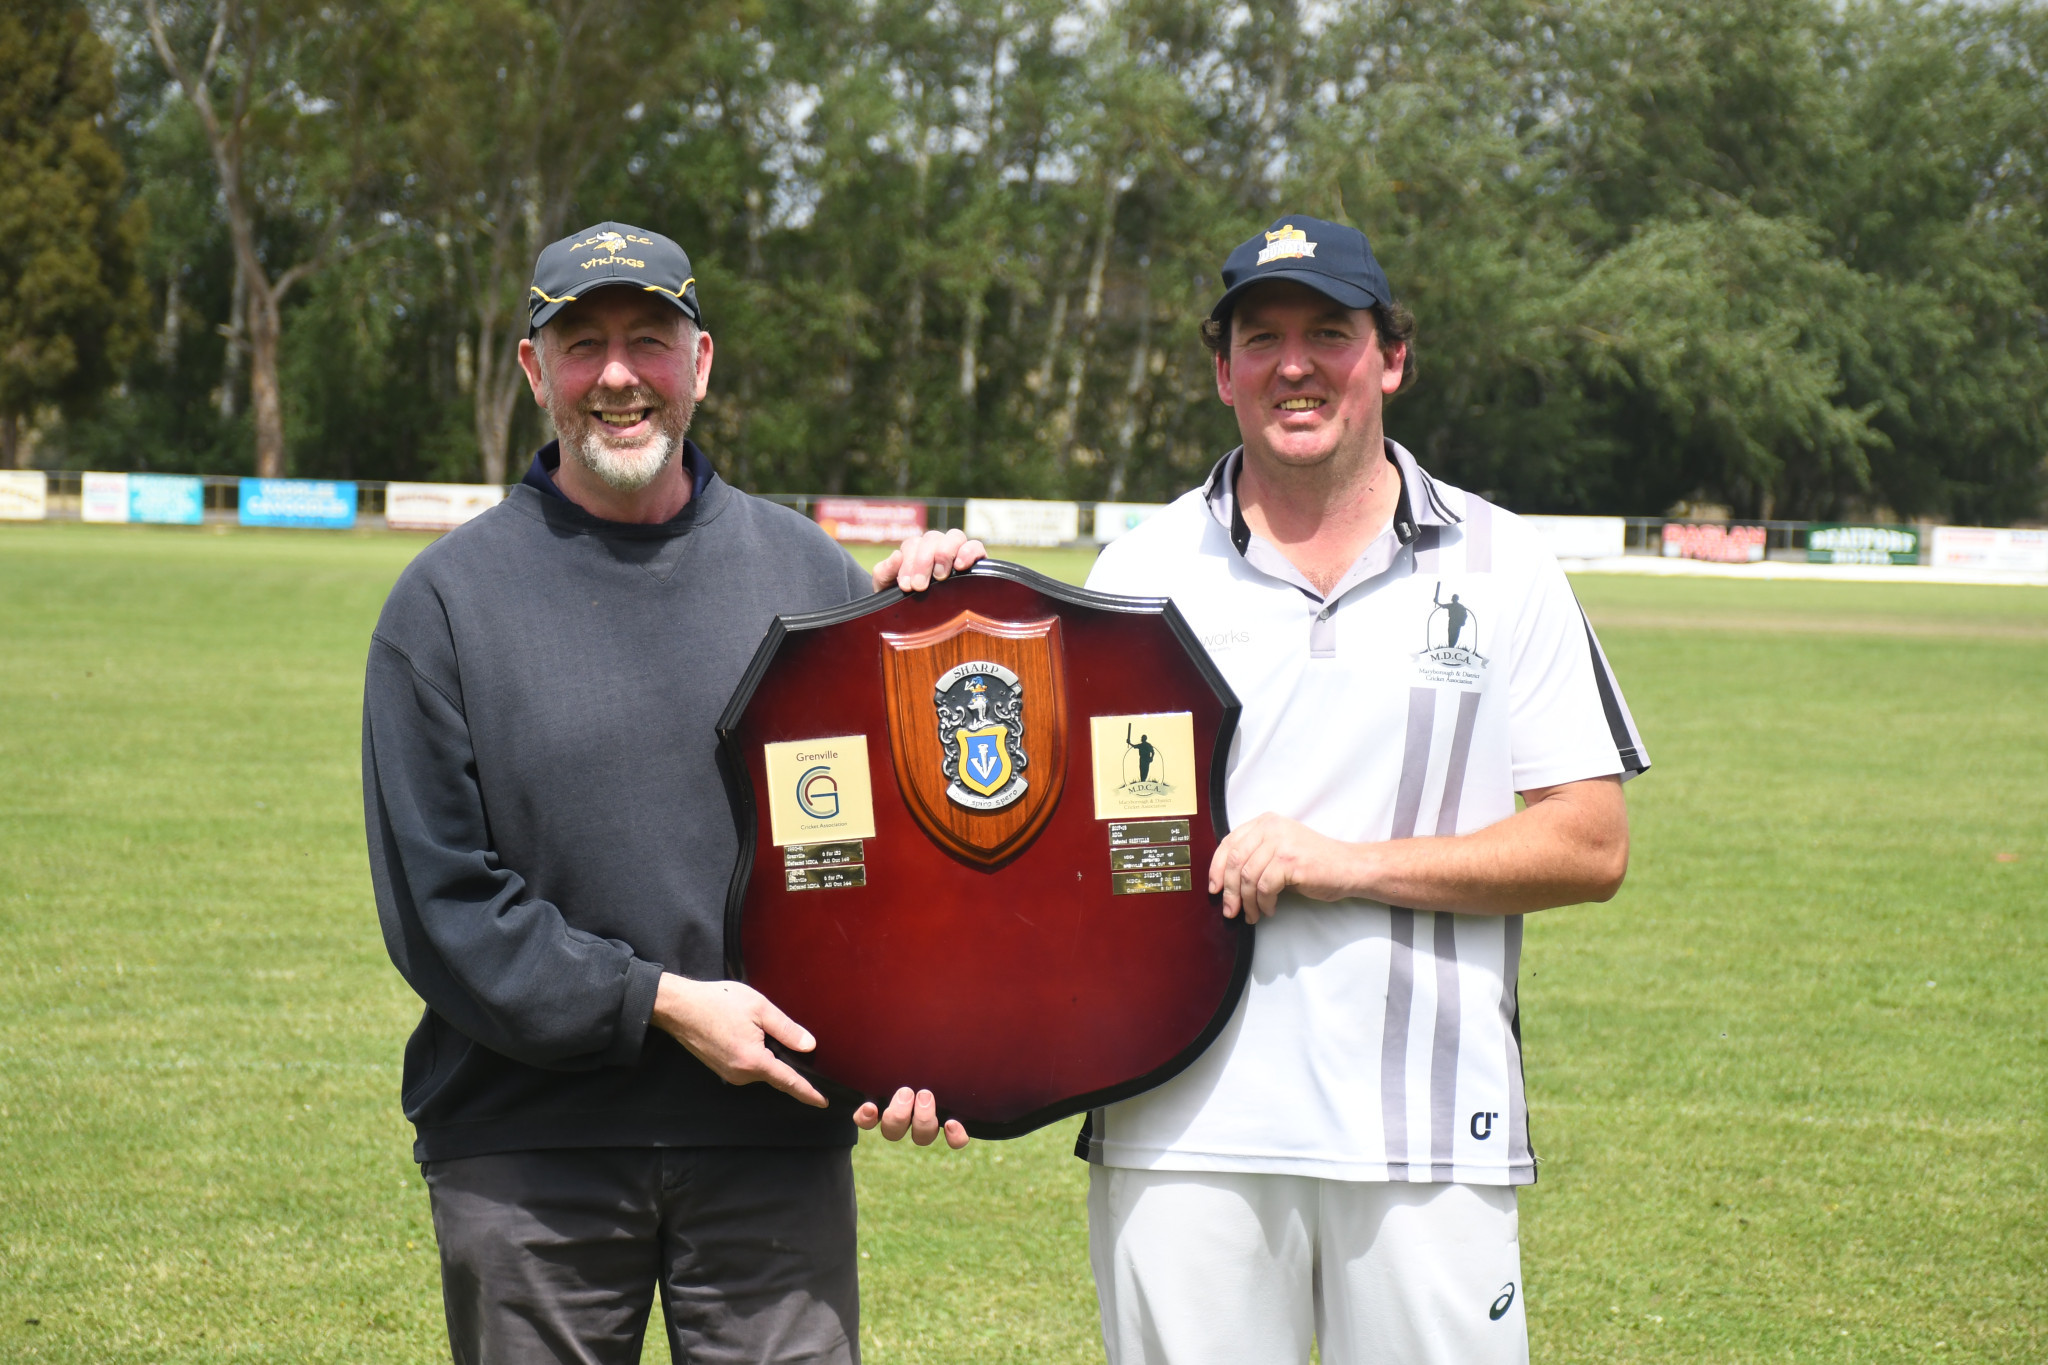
pixel 975 831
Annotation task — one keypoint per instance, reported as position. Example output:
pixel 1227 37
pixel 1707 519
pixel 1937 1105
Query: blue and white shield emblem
pixel 985 759
pixel 981 726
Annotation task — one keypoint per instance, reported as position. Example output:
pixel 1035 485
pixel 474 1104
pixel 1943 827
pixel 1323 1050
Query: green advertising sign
pixel 1830 543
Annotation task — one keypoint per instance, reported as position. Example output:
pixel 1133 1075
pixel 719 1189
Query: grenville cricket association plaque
pixel 975 827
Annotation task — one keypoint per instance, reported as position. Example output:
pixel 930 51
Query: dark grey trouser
pixel 554 1256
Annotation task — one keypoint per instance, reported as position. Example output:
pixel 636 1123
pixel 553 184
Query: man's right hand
pixel 913 1112
pixel 726 1025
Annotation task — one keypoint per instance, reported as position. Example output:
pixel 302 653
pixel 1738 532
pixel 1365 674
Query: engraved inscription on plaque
pixel 1144 859
pixel 1138 833
pixel 824 855
pixel 826 878
pixel 1137 883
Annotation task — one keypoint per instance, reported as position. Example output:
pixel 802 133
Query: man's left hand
pixel 916 1114
pixel 1567 845
pixel 924 559
pixel 1265 856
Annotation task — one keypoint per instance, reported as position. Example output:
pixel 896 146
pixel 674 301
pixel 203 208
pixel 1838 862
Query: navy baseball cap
pixel 1329 258
pixel 610 254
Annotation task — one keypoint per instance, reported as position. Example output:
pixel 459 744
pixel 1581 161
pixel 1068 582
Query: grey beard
pixel 624 471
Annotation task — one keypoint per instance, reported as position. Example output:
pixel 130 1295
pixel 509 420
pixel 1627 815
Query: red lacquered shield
pixel 995 939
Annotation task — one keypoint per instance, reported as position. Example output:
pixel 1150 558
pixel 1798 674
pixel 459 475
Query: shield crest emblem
pixel 985 766
pixel 972 779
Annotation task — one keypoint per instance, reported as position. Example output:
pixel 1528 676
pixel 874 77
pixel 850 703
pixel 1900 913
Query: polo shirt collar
pixel 1419 504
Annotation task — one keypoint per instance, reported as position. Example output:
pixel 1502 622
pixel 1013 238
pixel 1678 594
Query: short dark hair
pixel 1392 321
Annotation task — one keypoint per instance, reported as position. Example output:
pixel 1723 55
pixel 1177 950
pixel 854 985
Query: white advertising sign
pixel 1580 537
pixel 437 506
pixel 1014 521
pixel 24 494
pixel 1112 519
pixel 103 497
pixel 1997 549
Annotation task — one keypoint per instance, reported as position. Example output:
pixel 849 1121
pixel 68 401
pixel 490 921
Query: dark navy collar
pixel 1417 505
pixel 541 473
pixel 1410 513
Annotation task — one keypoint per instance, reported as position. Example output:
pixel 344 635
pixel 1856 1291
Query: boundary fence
pixel 1016 522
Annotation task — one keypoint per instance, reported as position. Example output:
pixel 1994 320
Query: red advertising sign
pixel 862 519
pixel 1720 544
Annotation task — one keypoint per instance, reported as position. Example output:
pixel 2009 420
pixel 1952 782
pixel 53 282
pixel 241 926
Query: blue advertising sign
pixel 325 503
pixel 174 499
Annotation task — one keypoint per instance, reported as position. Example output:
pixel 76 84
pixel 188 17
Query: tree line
pixel 1789 256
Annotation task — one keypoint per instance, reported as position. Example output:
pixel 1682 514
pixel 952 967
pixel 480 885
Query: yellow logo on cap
pixel 1288 241
pixel 614 245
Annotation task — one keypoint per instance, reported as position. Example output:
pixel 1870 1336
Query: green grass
pixel 1761 1127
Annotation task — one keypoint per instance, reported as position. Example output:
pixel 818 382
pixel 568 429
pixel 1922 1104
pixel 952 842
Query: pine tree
pixel 71 299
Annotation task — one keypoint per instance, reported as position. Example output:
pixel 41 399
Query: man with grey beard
pixel 550 844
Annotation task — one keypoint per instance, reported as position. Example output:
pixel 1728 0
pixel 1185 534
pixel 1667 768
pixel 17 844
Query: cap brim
pixel 1343 291
pixel 547 311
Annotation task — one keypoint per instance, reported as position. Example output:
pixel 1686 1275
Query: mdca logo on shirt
pixel 1450 642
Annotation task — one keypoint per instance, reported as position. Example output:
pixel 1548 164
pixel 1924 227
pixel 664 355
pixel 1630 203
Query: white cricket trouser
pixel 1222 1268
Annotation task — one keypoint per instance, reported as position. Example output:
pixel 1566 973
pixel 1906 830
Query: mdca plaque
pixel 975 828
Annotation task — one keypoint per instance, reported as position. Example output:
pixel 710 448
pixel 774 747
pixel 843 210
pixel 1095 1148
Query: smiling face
pixel 620 372
pixel 1307 377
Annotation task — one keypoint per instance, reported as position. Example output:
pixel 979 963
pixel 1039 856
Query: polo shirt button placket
pixel 1322 634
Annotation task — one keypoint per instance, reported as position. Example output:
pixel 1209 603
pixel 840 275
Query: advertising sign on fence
pixel 869 521
pixel 1993 548
pixel 1112 519
pixel 103 497
pixel 170 499
pixel 24 494
pixel 437 506
pixel 1717 544
pixel 298 502
pixel 1580 537
pixel 1013 521
pixel 1829 543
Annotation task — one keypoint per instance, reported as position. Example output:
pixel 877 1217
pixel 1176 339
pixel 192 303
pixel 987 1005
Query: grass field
pixel 1790 1086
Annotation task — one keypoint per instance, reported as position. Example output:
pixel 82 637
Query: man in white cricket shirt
pixel 1341 1164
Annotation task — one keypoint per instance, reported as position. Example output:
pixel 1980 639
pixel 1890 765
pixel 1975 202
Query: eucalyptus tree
pixel 295 98
pixel 520 106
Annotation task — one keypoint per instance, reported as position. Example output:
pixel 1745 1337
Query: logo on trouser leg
pixel 1503 1303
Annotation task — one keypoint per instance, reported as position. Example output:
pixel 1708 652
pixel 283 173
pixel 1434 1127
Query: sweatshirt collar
pixel 541 473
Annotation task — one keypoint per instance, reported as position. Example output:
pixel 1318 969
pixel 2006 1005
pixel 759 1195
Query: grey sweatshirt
pixel 548 828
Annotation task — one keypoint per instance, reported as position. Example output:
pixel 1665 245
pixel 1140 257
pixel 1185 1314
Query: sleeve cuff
pixel 643 980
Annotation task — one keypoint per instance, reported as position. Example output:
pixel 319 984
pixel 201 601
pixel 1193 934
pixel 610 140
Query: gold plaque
pixel 1144 765
pixel 824 855
pixel 1138 883
pixel 826 878
pixel 818 790
pixel 1138 834
pixel 1146 859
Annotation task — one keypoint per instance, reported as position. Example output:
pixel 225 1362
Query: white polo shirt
pixel 1448 670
